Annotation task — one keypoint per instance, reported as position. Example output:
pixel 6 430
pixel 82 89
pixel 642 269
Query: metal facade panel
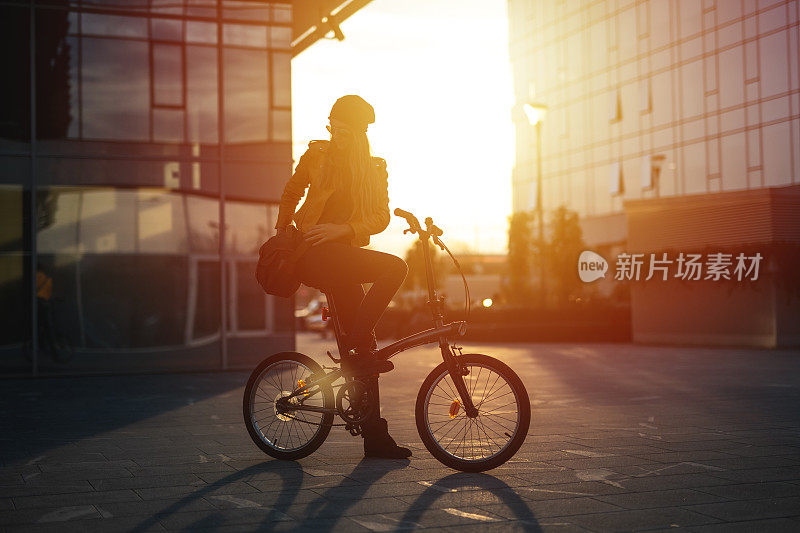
pixel 722 219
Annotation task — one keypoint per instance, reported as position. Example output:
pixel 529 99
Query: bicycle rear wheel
pixel 291 434
pixel 487 440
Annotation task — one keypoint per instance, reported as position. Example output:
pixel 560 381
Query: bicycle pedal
pixel 337 361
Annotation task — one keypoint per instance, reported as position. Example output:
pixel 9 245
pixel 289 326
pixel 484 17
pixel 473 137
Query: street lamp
pixel 535 113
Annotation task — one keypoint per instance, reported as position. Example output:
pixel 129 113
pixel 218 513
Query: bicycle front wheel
pixel 487 440
pixel 288 434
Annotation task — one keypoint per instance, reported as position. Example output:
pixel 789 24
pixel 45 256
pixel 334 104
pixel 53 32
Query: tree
pixel 520 257
pixel 556 254
pixel 563 248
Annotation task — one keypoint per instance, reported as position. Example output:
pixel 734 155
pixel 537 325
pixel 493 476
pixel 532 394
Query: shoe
pixel 378 442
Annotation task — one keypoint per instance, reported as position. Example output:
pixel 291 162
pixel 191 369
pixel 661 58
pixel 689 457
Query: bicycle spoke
pixel 493 396
pixel 483 399
pixel 473 439
pixel 286 431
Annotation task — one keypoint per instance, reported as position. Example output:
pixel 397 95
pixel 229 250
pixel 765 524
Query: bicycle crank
pixel 354 402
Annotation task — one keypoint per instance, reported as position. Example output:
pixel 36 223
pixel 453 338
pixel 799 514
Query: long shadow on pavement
pixel 327 510
pixel 291 476
pixel 43 414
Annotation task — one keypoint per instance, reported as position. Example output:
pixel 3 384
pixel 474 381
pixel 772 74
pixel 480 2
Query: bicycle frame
pixel 440 332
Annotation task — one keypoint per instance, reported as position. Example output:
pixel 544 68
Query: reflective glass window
pixel 249 10
pixel 282 13
pixel 201 93
pixel 246 95
pixel 201 32
pixel 168 75
pixel 113 25
pixel 281 79
pixel 115 89
pixel 57 83
pixel 281 125
pixel 166 29
pixel 15 278
pixel 15 130
pixel 280 36
pixel 244 35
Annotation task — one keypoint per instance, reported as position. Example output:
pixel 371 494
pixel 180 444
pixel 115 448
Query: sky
pixel 438 75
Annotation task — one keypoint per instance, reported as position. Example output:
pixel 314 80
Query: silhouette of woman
pixel 347 202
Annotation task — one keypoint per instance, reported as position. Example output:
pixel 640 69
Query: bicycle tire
pixel 440 451
pixel 253 424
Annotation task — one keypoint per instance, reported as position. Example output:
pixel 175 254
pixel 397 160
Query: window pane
pixel 246 95
pixel 281 79
pixel 201 87
pixel 167 75
pixel 94 24
pixel 201 8
pixel 166 29
pixel 282 13
pixel 250 10
pixel 250 299
pixel 203 224
pixel 15 128
pixel 201 32
pixel 170 7
pixel 280 37
pixel 14 276
pixel 248 228
pixel 57 111
pixel 161 222
pixel 168 125
pixel 240 35
pixel 108 222
pixel 281 125
pixel 115 89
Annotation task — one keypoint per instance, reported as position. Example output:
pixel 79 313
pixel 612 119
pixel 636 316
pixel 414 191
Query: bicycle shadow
pixel 291 475
pixel 451 487
pixel 326 511
pixel 332 505
pixel 329 507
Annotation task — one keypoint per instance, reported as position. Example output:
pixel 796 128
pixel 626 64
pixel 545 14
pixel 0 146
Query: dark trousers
pixel 340 269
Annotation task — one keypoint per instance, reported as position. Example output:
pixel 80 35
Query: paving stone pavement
pixel 623 437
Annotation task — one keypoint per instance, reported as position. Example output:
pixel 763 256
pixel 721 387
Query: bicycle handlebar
pixel 432 229
pixel 411 219
pixel 435 233
pixel 414 223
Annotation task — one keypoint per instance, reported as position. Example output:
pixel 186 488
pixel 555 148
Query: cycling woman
pixel 347 202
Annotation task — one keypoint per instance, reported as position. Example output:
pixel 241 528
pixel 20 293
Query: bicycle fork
pixel 457 373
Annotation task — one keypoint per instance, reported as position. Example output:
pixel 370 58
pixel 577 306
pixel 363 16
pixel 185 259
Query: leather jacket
pixel 308 173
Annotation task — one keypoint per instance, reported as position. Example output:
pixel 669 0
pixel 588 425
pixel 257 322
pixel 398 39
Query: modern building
pixel 144 146
pixel 670 125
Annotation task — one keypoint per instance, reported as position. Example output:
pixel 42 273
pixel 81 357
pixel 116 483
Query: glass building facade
pixel 670 124
pixel 144 146
pixel 655 98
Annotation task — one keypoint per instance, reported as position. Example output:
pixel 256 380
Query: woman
pixel 347 202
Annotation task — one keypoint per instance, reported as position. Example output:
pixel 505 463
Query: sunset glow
pixel 438 76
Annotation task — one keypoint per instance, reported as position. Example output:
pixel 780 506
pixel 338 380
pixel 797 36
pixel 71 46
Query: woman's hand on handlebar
pixel 320 233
